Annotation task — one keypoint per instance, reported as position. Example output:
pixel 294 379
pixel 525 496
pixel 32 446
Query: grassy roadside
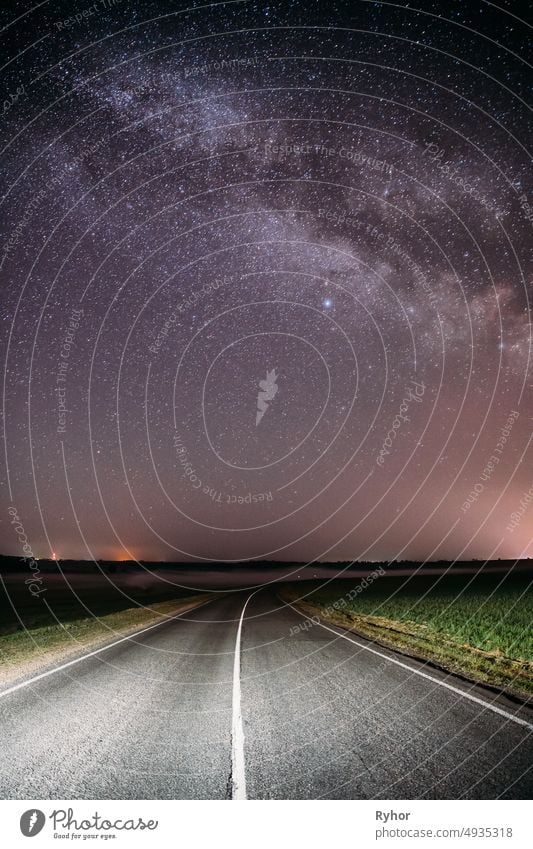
pixel 27 652
pixel 479 628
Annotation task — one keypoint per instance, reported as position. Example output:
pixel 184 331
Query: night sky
pixel 266 280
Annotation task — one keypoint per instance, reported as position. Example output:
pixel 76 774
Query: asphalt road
pixel 175 713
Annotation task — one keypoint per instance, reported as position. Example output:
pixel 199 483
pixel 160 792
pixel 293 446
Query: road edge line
pixel 476 699
pixel 60 668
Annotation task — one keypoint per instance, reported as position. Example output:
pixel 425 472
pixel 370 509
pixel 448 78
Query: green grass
pixel 480 626
pixel 77 596
pixel 24 652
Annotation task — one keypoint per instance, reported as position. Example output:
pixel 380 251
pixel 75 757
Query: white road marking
pixel 95 652
pixel 482 702
pixel 238 766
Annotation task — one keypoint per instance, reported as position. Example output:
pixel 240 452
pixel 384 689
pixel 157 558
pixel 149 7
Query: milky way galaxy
pixel 266 280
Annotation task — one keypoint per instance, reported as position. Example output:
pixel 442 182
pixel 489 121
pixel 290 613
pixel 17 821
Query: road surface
pixel 176 713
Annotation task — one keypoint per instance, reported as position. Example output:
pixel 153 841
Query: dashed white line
pixel 482 702
pixel 238 766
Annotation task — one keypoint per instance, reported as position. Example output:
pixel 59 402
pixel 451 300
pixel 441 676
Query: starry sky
pixel 266 280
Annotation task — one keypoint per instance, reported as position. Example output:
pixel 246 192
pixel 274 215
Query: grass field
pixel 79 612
pixel 479 626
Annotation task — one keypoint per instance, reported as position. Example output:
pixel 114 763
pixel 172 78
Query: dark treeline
pixel 20 565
